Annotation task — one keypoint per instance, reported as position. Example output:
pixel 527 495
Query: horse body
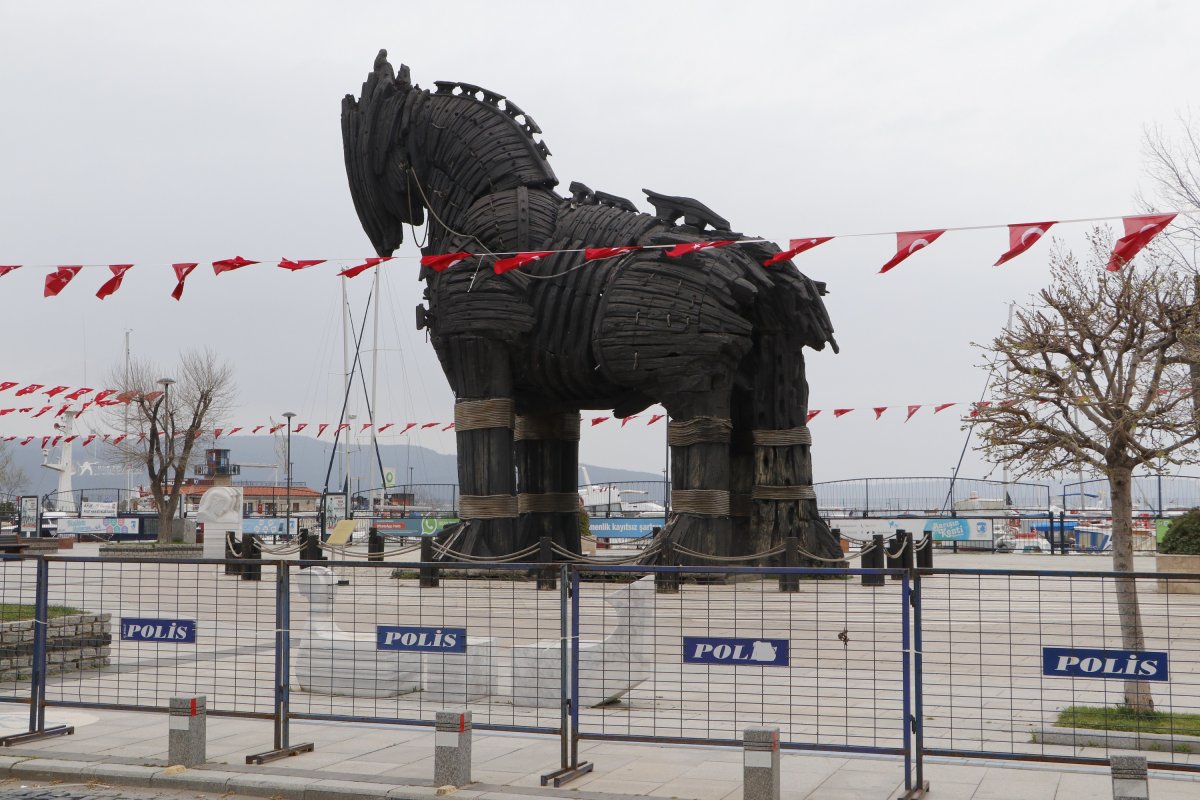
pixel 713 335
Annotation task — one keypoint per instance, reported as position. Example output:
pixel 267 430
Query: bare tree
pixel 12 477
pixel 1089 373
pixel 164 419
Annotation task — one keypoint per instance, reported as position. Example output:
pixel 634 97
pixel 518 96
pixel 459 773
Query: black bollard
pixel 872 558
pixel 900 552
pixel 231 551
pixel 251 550
pixel 374 544
pixel 925 554
pixel 311 545
pixel 429 573
pixel 548 576
pixel 790 581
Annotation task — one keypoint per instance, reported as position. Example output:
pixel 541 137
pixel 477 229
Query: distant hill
pixel 310 459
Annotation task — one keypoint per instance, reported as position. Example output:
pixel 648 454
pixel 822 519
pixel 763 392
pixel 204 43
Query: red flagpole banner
pixel 440 263
pixel 181 273
pixel 911 410
pixel 113 283
pixel 298 265
pixel 908 243
pixel 1138 233
pixel 57 281
pixel 598 253
pixel 680 250
pixel 4 270
pixel 363 267
pixel 795 248
pixel 230 264
pixel 519 260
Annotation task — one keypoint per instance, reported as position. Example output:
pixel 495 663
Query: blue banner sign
pixel 421 640
pixel 172 631
pixel 1070 662
pixel 738 652
pixel 624 527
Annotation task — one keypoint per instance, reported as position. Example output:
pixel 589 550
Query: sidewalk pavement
pixel 372 760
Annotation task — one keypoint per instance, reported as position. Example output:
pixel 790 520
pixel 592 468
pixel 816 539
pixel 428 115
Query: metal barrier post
pixel 547 578
pixel 873 559
pixel 37 671
pixel 428 574
pixel 283 615
pixel 918 687
pixel 790 581
pixel 569 766
pixel 251 549
pixel 374 544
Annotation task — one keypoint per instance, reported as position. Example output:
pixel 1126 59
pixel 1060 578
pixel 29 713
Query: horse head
pixel 376 159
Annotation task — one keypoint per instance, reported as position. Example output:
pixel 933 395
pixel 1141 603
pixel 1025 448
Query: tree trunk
pixel 1192 353
pixel 1137 693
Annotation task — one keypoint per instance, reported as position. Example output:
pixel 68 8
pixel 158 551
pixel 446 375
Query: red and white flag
pixel 443 261
pixel 321 428
pixel 912 410
pixel 288 264
pixel 300 426
pixel 655 418
pixel 232 431
pixel 795 248
pixel 230 264
pixel 78 393
pixel 55 390
pixel 909 242
pixel 5 269
pixel 6 385
pixel 181 273
pixel 625 420
pixel 841 412
pixel 113 283
pixel 363 267
pixel 597 420
pixel 1021 237
pixel 597 253
pixel 383 428
pixel 30 389
pixel 942 407
pixel 1138 233
pixel 879 411
pixel 810 416
pixel 504 265
pixel 691 247
pixel 449 427
pixel 408 427
pixel 430 425
pixel 57 281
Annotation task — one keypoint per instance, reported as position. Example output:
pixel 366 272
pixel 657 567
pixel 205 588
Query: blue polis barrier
pixel 945 662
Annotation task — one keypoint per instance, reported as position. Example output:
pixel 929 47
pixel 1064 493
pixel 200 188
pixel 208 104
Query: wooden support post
pixel 374 544
pixel 873 559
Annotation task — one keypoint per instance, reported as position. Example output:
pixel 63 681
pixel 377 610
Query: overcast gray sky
pixel 163 132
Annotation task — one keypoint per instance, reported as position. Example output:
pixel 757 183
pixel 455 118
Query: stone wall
pixel 73 643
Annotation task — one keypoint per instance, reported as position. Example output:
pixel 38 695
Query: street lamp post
pixel 288 471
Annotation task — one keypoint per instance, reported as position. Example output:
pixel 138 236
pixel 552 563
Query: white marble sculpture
pixel 330 660
pixel 221 512
pixel 461 677
pixel 608 668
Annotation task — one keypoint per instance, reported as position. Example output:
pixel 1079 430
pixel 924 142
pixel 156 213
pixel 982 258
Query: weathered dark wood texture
pixel 711 335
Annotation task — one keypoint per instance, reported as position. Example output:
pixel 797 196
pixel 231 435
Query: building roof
pixel 248 492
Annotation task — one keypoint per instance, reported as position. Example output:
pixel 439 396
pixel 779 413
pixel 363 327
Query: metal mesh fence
pixel 457 644
pixel 989 639
pixel 133 647
pixel 824 663
pixel 18 591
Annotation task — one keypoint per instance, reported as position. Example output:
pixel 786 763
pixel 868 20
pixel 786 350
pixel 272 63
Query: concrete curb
pixel 1119 740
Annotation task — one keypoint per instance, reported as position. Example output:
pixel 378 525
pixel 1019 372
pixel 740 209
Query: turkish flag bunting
pixel 43 411
pixel 321 428
pixel 4 387
pixel 942 407
pixel 119 439
pixel 55 390
pixel 4 411
pixel 980 406
pixel 364 427
pixel 232 431
pixel 597 420
pixel 217 433
pixel 302 264
pixel 70 439
pixel 301 426
pixel 909 242
pixel 275 429
pixel 841 412
pixel 257 428
pixel 342 427
pixel 655 418
pixel 4 270
pixel 625 420
pixel 383 428
pixel 911 410
pixel 408 428
pixel 45 441
pixel 57 281
pixel 90 438
pixel 150 397
pixel 810 415
pixel 691 247
pixel 26 440
pixel 1138 233
pixel 78 393
pixel 113 283
pixel 181 273
pixel 879 411
pixel 430 425
pixel 443 261
pixel 504 265
pixel 448 427
pixel 30 389
pixel 230 264
pixel 597 253
pixel 795 248
pixel 126 397
pixel 1022 237
pixel 361 268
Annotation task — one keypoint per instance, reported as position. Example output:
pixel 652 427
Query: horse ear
pixel 404 78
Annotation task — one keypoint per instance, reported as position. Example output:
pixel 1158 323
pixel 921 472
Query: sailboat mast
pixel 346 388
pixel 374 387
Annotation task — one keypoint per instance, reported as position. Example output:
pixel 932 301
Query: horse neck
pixel 454 171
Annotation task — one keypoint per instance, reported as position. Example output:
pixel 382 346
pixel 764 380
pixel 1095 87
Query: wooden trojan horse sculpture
pixel 713 335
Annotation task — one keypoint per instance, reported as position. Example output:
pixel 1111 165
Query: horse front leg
pixel 699 435
pixel 480 370
pixel 547 453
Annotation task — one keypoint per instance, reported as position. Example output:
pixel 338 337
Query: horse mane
pixel 520 119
